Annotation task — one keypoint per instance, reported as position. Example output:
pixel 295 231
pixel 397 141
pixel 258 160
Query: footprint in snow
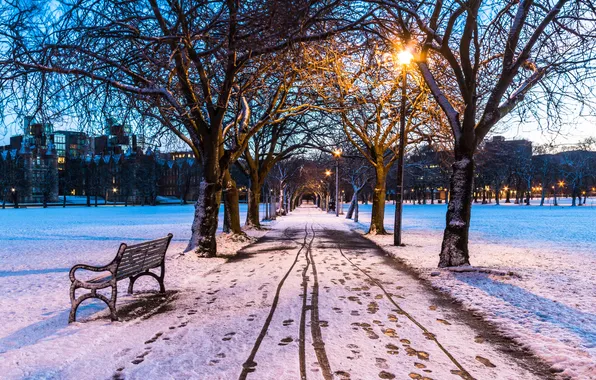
pixel 285 341
pixel 228 336
pixel 485 361
pixel 381 363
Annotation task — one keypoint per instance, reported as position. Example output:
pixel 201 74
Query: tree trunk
pixel 254 198
pixel 353 203
pixel 204 225
pixel 272 208
pixel 454 250
pixel 497 195
pixel 377 226
pixel 64 200
pixel 231 205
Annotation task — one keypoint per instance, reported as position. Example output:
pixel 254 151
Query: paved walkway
pixel 313 300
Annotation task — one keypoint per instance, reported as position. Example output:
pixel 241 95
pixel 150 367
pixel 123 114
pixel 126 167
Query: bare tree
pixel 362 92
pixel 483 59
pixel 358 174
pixel 176 63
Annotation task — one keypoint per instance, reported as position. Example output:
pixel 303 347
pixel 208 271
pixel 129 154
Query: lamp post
pixel 337 155
pixel 327 174
pixel 404 57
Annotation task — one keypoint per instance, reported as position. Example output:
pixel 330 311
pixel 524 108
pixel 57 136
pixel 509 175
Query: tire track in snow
pixel 464 373
pixel 302 336
pixel 315 326
pixel 249 365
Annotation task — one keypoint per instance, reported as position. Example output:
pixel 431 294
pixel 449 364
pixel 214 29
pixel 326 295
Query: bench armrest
pixel 105 268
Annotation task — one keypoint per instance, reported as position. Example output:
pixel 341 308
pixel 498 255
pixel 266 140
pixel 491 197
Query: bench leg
pixel 131 282
pixel 75 302
pixel 112 303
pixel 72 317
pixel 162 288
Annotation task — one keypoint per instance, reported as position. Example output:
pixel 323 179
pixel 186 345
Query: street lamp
pixel 404 58
pixel 337 155
pixel 327 174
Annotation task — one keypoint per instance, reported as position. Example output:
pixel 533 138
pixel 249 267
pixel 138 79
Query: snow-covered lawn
pixel 549 305
pixel 39 246
pixel 312 298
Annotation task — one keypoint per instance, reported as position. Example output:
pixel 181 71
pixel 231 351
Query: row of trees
pixel 220 76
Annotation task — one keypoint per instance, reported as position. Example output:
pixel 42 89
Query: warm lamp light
pixel 327 173
pixel 405 57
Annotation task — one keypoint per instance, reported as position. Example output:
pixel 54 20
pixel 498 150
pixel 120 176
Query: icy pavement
pixel 310 300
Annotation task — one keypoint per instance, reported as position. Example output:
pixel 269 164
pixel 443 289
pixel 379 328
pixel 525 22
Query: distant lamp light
pixel 13 189
pixel 115 190
pixel 327 172
pixel 337 153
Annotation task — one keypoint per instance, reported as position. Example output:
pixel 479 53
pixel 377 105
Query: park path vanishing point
pixel 313 300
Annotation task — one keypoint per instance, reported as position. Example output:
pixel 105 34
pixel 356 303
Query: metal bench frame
pixel 112 279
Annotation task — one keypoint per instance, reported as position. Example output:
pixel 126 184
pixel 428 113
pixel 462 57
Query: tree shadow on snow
pixel 575 321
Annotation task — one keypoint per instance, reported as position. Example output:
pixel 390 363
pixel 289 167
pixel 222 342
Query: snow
pixel 206 325
pixel 548 305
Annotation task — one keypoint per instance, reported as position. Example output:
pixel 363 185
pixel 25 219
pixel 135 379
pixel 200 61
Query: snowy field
pixel 39 246
pixel 549 304
pixel 372 317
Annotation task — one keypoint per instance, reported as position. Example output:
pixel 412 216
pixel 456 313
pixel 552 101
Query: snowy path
pixel 310 300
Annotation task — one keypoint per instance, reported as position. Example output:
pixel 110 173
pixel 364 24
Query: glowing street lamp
pixel 337 155
pixel 404 57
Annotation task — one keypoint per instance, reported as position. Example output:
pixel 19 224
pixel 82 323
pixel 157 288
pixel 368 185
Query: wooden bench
pixel 132 262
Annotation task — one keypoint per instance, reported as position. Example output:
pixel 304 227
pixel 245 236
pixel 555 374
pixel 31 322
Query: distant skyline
pixel 582 128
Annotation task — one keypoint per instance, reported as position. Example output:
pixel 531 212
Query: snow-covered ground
pixel 310 300
pixel 39 246
pixel 549 305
